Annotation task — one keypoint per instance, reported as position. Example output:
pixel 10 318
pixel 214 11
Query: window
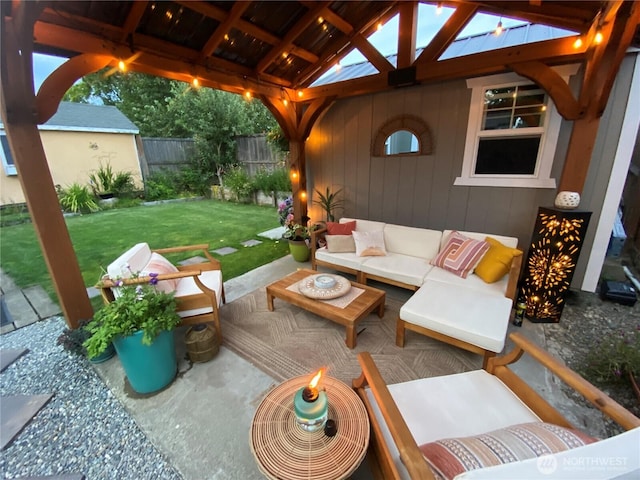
pixel 511 134
pixel 5 154
pixel 402 141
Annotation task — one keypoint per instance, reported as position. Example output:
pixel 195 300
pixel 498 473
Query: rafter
pixel 135 14
pixel 447 33
pixel 223 29
pixel 407 28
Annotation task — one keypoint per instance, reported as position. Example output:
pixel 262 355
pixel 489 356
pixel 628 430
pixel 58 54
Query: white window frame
pixel 549 135
pixel 9 170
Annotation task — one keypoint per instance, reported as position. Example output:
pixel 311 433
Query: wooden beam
pixel 285 115
pixel 579 152
pixel 287 42
pixel 56 85
pixel 133 19
pixel 19 114
pixel 223 29
pixel 373 55
pixel 311 114
pixel 407 32
pixel 553 84
pixel 447 34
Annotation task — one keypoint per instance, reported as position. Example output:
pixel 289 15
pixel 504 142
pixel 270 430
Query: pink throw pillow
pixel 160 265
pixel 460 254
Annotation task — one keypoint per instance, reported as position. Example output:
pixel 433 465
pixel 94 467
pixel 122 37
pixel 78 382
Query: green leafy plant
pixel 72 339
pixel 123 184
pixel 138 307
pixel 273 182
pixel 239 182
pixel 77 199
pixel 329 201
pixel 102 181
pixel 615 358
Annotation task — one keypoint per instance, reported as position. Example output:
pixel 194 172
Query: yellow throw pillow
pixel 496 263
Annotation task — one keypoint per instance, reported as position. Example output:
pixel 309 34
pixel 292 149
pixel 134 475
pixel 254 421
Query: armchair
pixel 198 287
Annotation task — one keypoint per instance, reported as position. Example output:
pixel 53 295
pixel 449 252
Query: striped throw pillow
pixel 460 254
pixel 453 456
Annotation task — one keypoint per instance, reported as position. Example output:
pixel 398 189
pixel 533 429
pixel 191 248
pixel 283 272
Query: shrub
pixel 273 182
pixel 159 187
pixel 77 199
pixel 240 184
pixel 102 181
pixel 123 184
pixel 615 357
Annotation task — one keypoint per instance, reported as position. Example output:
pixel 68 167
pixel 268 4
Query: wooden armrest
pixel 410 454
pixel 109 283
pixel 315 236
pixel 514 276
pixel 597 397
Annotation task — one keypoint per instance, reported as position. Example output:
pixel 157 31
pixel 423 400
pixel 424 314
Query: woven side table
pixel 283 450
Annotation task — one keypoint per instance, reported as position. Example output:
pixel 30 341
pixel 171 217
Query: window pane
pixel 530 95
pixel 402 141
pixel 497 120
pixel 527 118
pixel 499 98
pixel 6 150
pixel 507 156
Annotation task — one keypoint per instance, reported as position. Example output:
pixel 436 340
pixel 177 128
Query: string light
pixel 439 8
pixel 599 37
pixel 122 66
pixel 577 43
pixel 338 66
pixel 303 195
pixel 300 94
pixel 248 95
pixel 195 82
pixel 379 26
pixel 498 29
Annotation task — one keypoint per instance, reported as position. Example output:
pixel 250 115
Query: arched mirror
pixel 402 141
pixel 402 135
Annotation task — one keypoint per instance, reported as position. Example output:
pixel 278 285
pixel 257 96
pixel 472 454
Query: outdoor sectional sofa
pixel 466 312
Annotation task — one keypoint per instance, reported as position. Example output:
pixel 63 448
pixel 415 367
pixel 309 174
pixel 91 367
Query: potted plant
pixel 72 340
pixel 139 323
pixel 329 201
pixel 298 236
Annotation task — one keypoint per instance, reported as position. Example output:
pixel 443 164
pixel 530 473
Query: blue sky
pixel 385 40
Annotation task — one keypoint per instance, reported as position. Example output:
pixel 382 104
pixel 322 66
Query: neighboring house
pixel 77 140
pixel 459 184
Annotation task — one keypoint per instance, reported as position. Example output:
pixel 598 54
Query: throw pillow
pixel 460 254
pixel 496 263
pixel 453 456
pixel 160 265
pixel 340 243
pixel 369 244
pixel 335 228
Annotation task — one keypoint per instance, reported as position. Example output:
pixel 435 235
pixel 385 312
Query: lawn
pixel 100 238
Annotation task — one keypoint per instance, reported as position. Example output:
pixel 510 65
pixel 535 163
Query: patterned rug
pixel 290 341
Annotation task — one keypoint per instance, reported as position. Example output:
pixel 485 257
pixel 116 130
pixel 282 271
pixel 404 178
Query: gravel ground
pixel 586 320
pixel 83 428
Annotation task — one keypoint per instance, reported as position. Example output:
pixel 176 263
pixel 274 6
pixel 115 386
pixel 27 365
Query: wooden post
pixel 579 151
pixel 19 115
pixel 299 185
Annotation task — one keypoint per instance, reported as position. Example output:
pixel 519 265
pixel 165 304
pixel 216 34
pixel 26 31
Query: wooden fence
pixel 158 154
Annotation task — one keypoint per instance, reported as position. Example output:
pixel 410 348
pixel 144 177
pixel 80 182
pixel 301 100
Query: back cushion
pixel 508 241
pixel 364 225
pixel 416 242
pixel 131 261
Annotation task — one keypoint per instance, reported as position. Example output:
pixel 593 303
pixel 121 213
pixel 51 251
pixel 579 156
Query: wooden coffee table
pixel 349 316
pixel 284 451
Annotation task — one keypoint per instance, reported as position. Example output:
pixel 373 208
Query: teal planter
pixel 299 250
pixel 104 356
pixel 149 368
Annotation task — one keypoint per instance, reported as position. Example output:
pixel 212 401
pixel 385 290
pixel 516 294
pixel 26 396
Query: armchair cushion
pixel 160 265
pixel 369 244
pixel 453 456
pixel 340 243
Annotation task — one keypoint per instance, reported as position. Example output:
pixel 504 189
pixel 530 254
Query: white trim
pixel 9 170
pixel 63 128
pixel 619 170
pixel 549 138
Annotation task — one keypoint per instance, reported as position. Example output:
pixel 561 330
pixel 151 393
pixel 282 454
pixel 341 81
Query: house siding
pixel 418 190
pixel 71 159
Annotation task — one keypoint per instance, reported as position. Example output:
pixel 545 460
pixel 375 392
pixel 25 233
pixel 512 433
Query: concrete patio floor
pixel 201 421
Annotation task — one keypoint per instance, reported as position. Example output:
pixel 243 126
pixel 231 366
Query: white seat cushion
pixel 347 260
pixel 472 281
pixel 459 312
pixel 456 405
pixel 365 225
pixel 412 241
pixel 187 286
pixel 398 267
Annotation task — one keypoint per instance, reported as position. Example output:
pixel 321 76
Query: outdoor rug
pixel 290 341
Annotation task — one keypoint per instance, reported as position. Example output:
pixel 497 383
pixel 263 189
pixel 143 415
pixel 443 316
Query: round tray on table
pixel 308 287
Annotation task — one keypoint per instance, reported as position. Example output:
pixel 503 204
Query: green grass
pixel 100 238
